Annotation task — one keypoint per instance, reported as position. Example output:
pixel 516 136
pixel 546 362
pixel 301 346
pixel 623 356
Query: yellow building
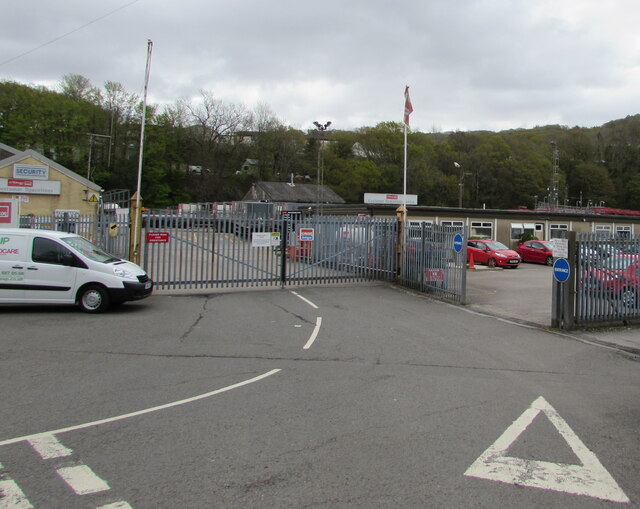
pixel 43 187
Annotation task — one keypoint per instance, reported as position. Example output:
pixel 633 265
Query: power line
pixel 68 33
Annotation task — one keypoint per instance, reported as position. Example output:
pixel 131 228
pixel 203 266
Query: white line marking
pixel 48 447
pixel 12 497
pixel 82 480
pixel 116 505
pixel 589 479
pixel 314 334
pixel 306 300
pixel 139 412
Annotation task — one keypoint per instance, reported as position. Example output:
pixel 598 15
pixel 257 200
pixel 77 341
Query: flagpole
pixel 404 185
pixel 136 246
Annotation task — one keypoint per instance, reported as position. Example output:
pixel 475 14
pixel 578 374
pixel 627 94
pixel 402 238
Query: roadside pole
pixel 564 284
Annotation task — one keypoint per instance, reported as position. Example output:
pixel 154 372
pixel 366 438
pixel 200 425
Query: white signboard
pixel 30 171
pixel 29 186
pixel 390 199
pixel 560 248
pixel 265 239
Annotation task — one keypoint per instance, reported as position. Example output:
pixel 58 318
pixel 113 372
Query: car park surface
pixel 389 407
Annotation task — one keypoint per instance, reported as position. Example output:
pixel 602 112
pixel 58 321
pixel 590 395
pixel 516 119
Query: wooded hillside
pixel 195 150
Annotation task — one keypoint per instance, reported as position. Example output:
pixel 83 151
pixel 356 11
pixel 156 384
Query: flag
pixel 408 108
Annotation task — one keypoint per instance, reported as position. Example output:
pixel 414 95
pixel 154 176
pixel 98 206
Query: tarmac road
pixel 353 397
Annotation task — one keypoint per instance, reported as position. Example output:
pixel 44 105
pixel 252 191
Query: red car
pixel 536 251
pixel 617 277
pixel 492 253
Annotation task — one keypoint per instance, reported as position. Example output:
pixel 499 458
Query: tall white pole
pixel 142 124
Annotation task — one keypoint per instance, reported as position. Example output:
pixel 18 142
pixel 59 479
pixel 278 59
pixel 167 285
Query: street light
pixel 461 183
pixel 320 177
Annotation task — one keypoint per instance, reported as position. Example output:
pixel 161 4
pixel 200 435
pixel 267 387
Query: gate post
pixel 283 252
pixel 401 214
pixel 135 233
pixel 564 293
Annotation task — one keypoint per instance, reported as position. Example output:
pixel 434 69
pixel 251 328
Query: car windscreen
pixel 496 246
pixel 89 249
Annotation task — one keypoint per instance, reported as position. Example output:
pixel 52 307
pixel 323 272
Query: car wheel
pixel 629 298
pixel 491 262
pixel 93 299
pixel 549 260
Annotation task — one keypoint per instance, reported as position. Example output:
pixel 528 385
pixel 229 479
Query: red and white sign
pixel 9 213
pixel 20 183
pixel 306 234
pixel 29 186
pixel 390 199
pixel 434 274
pixel 157 237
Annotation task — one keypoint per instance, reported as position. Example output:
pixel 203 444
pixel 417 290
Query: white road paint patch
pixel 139 412
pixel 12 497
pixel 589 479
pixel 314 334
pixel 48 447
pixel 82 480
pixel 305 300
pixel 116 505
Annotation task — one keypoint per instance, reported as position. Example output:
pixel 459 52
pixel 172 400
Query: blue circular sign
pixel 457 243
pixel 561 270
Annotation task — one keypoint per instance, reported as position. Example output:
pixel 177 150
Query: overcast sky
pixel 470 64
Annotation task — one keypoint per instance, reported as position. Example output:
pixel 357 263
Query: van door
pixel 49 277
pixel 13 258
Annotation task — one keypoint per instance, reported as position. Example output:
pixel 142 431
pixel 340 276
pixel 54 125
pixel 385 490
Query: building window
pixel 452 224
pixel 519 229
pixel 603 228
pixel 623 232
pixel 481 230
pixel 556 229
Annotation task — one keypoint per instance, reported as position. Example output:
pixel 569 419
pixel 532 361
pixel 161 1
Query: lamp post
pixel 461 182
pixel 91 136
pixel 320 177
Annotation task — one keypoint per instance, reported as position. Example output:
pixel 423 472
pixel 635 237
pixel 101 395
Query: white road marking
pixel 314 334
pixel 12 497
pixel 139 412
pixel 116 505
pixel 306 300
pixel 82 480
pixel 48 447
pixel 589 479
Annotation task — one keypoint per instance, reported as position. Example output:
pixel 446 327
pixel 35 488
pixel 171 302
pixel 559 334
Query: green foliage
pixel 496 170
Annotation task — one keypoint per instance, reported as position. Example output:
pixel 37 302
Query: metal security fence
pixel 197 251
pixel 108 231
pixel 607 280
pixel 433 263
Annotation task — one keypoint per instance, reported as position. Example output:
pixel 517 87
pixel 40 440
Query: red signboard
pixel 434 274
pixel 20 183
pixel 5 212
pixel 157 237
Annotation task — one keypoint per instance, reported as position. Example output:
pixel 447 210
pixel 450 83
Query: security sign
pixel 306 234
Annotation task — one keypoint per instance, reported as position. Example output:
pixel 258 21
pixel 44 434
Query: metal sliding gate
pixel 205 251
pixel 607 282
pixel 435 261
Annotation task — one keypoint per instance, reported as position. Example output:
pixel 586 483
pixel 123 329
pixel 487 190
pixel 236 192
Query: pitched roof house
pixel 291 193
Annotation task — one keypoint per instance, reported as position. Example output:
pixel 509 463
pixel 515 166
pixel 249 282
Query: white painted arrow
pixel 589 479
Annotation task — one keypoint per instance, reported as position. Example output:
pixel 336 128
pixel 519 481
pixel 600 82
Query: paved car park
pixel 367 396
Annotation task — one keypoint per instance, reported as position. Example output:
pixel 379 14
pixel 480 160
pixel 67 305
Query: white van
pixel 50 267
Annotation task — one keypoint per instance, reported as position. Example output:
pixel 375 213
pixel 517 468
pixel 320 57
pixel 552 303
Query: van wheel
pixel 93 299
